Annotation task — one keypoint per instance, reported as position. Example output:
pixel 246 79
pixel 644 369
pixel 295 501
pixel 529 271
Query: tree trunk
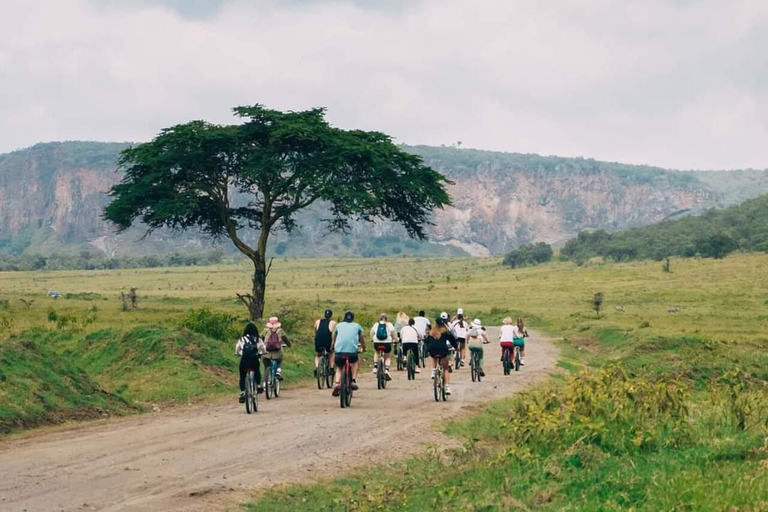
pixel 256 307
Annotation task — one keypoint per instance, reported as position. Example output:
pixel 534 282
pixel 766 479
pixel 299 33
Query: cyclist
pixel 249 348
pixel 519 340
pixel 440 343
pixel 460 328
pixel 323 332
pixel 477 338
pixel 401 320
pixel 422 325
pixel 409 336
pixel 383 335
pixel 507 335
pixel 274 339
pixel 347 338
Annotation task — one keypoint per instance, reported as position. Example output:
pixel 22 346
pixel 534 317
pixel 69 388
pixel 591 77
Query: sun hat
pixel 273 323
pixel 477 323
pixel 460 311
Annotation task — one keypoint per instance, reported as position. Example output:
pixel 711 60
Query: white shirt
pixel 409 334
pixel 509 333
pixel 458 330
pixel 422 325
pixel 391 333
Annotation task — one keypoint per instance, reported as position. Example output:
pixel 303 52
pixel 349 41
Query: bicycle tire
pixel 436 384
pixel 320 373
pixel 472 369
pixel 254 392
pixel 268 385
pixel 277 388
pixel 443 395
pixel 350 391
pixel 506 364
pixel 517 359
pixel 330 373
pixel 343 390
pixel 248 393
pixel 380 380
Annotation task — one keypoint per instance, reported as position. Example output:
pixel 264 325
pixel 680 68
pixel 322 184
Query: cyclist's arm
pixel 285 339
pixel 239 348
pixel 362 341
pixel 333 341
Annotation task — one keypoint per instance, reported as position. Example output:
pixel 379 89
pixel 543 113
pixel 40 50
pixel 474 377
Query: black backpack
pixel 250 348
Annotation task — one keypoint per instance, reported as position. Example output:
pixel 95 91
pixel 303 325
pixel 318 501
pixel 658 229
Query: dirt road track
pixel 205 458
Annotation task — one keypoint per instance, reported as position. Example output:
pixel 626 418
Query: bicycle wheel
pixel 320 370
pixel 254 392
pixel 477 366
pixel 268 384
pixel 380 380
pixel 248 380
pixel 422 355
pixel 330 373
pixel 473 367
pixel 443 395
pixel 517 359
pixel 349 388
pixel 277 387
pixel 506 363
pixel 400 359
pixel 436 385
pixel 343 390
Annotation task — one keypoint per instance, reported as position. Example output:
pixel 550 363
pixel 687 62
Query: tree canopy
pixel 229 180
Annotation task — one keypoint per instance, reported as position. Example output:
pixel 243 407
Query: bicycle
pixel 474 365
pixel 381 376
pixel 325 373
pixel 400 358
pixel 457 357
pixel 345 387
pixel 438 384
pixel 423 353
pixel 251 392
pixel 271 382
pixel 411 365
pixel 506 356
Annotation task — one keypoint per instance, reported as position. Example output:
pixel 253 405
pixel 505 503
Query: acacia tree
pixel 232 180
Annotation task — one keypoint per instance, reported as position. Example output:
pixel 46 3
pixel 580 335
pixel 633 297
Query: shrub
pixel 529 255
pixel 221 326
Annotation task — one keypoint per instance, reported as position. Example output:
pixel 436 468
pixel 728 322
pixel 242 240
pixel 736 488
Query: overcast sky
pixel 676 83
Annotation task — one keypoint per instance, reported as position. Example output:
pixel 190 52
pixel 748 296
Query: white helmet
pixel 444 315
pixel 460 311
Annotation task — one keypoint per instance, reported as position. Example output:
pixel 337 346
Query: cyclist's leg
pixel 388 356
pixel 446 367
pixel 242 377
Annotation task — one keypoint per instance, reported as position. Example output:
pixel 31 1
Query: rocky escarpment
pixel 52 197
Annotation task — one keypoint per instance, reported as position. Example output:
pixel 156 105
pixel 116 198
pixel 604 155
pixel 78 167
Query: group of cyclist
pixel 447 336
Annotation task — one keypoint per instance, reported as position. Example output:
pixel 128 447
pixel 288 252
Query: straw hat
pixel 273 323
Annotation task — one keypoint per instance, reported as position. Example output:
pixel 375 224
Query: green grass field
pixel 683 425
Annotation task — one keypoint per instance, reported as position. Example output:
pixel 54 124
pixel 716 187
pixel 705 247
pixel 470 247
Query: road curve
pixel 205 457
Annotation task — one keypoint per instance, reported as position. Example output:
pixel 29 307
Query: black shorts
pixel 319 347
pixel 386 347
pixel 461 342
pixel 442 352
pixel 413 347
pixel 341 356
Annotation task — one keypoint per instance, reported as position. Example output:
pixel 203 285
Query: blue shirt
pixel 347 337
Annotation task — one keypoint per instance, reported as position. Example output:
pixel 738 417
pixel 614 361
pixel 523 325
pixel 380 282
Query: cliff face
pixel 52 197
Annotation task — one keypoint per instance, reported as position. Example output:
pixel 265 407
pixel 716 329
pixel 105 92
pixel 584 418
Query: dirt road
pixel 203 458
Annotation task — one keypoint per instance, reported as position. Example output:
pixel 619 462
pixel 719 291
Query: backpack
pixel 381 332
pixel 273 341
pixel 250 349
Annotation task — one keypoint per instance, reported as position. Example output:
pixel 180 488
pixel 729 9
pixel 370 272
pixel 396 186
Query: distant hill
pixel 52 196
pixel 716 233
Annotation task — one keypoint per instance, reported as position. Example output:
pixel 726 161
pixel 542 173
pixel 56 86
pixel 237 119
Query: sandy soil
pixel 209 457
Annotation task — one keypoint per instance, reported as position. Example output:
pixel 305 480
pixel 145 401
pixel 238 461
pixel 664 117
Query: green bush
pixel 221 326
pixel 529 255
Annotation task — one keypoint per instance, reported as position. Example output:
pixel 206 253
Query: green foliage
pixel 89 261
pixel 38 386
pixel 529 255
pixel 714 234
pixel 597 302
pixel 222 326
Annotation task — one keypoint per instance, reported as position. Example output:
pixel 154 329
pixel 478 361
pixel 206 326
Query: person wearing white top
pixel 512 335
pixel 460 328
pixel 409 335
pixel 383 333
pixel 422 324
pixel 477 338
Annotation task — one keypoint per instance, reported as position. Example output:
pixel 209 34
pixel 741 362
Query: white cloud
pixel 668 82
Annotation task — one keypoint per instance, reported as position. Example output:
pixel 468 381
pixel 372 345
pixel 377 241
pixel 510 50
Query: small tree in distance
pixel 597 302
pixel 227 179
